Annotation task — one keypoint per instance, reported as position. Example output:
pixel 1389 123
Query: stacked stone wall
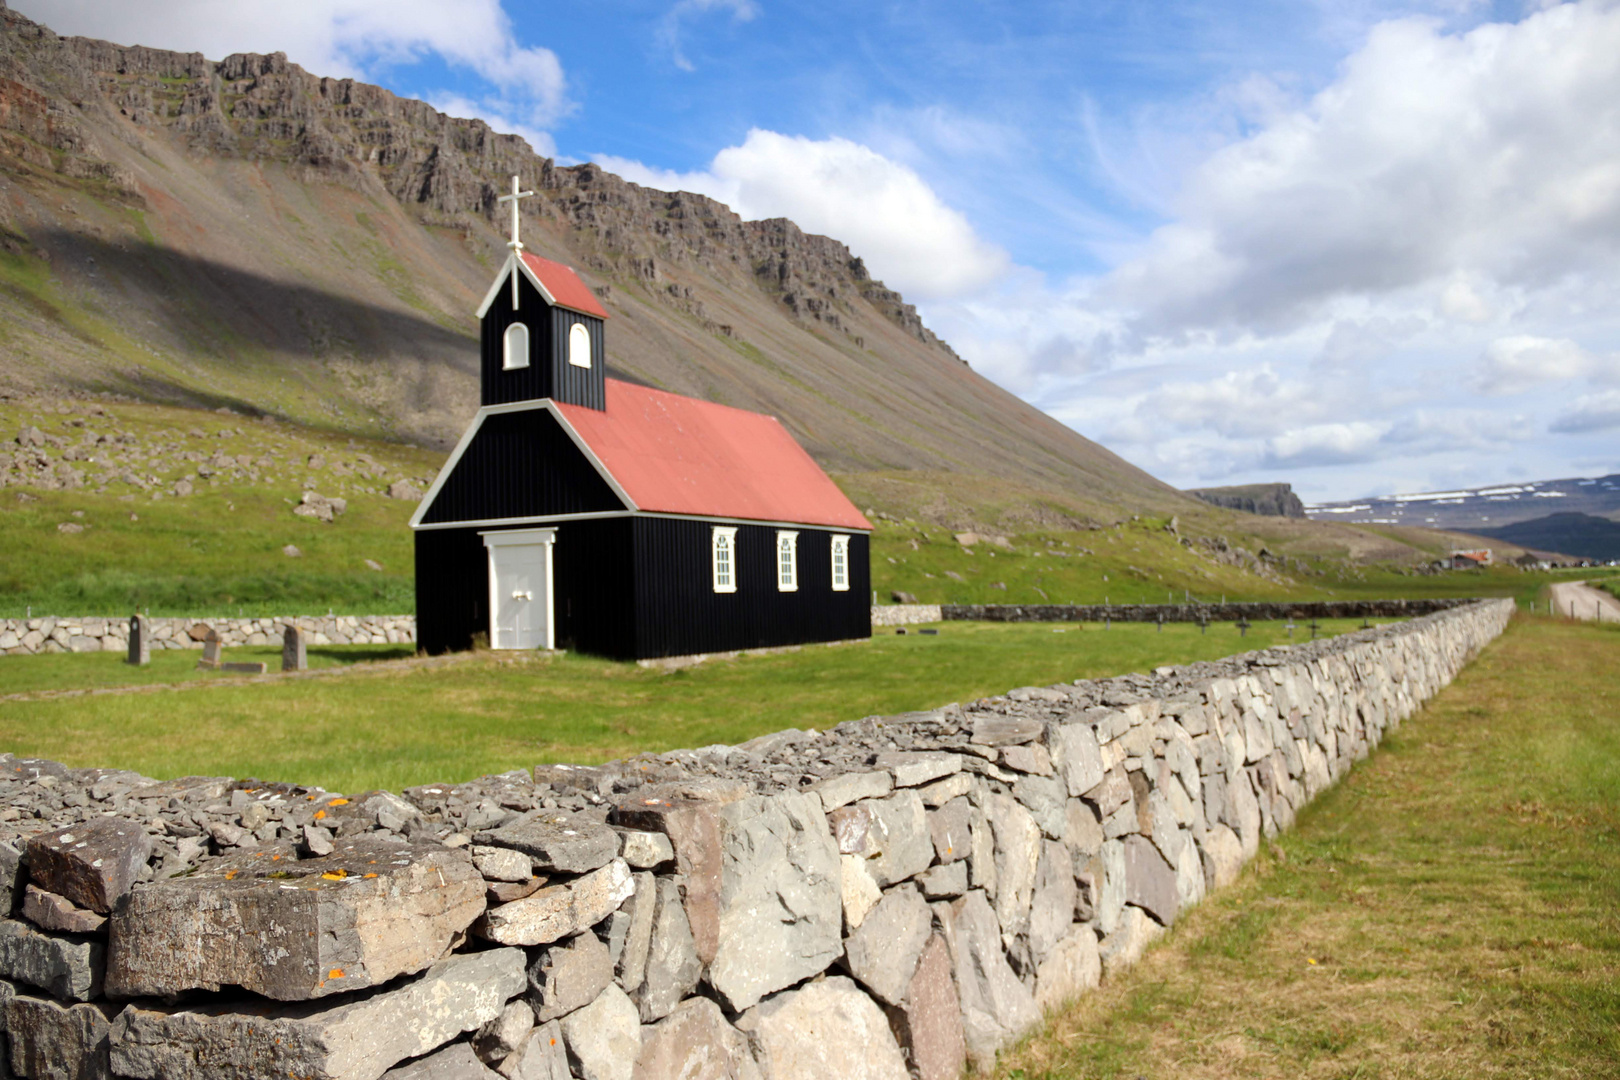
pixel 1254 611
pixel 893 897
pixel 26 637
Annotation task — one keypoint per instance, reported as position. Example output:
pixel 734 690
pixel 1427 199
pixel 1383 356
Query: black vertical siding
pixel 452 589
pixel 521 464
pixel 678 612
pixel 634 588
pixel 593 588
pixel 549 374
pixel 577 385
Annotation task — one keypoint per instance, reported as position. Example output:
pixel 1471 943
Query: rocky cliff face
pixel 1269 500
pixel 244 233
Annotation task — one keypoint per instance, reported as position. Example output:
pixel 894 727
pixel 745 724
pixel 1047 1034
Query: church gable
pixel 517 464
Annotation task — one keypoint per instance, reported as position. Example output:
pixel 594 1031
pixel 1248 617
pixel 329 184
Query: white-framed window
pixel 840 563
pixel 515 347
pixel 579 345
pixel 787 561
pixel 723 558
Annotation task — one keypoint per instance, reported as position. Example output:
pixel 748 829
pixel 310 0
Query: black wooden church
pixel 588 513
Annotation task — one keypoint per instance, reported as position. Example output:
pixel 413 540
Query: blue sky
pixel 1360 246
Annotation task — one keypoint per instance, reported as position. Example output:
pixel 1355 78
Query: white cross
pixel 515 244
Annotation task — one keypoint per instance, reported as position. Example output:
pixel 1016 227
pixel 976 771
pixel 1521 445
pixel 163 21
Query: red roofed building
pixel 589 513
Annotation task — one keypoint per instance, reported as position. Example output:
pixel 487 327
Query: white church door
pixel 520 589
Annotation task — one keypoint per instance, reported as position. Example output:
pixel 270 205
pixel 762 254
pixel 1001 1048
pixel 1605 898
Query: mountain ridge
pixel 242 232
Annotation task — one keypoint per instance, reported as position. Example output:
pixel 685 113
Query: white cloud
pixel 671 27
pixel 1487 157
pixel 1591 412
pixel 1514 364
pixel 884 211
pixel 527 86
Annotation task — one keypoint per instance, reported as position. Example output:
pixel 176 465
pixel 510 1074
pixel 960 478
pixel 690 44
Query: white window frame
pixel 579 345
pixel 512 358
pixel 840 562
pixel 723 538
pixel 787 570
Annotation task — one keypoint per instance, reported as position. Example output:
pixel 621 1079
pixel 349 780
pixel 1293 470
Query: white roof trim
pixel 500 279
pixel 597 515
pixel 543 405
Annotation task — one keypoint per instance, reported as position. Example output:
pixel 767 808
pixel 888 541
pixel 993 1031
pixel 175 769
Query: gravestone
pixel 1314 628
pixel 293 657
pixel 1243 627
pixel 140 641
pixel 211 650
pixel 245 667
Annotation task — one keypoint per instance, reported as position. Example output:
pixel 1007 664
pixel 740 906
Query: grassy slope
pixel 395 725
pixel 1449 910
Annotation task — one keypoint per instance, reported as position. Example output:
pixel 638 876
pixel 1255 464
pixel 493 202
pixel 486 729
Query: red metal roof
pixel 564 285
pixel 677 455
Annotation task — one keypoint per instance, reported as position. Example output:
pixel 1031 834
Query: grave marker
pixel 293 656
pixel 1314 628
pixel 211 650
pixel 140 641
pixel 1242 626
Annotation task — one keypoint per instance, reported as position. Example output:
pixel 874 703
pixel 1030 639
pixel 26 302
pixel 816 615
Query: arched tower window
pixel 515 347
pixel 579 345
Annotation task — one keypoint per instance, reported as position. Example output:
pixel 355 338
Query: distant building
pixel 585 512
pixel 1469 560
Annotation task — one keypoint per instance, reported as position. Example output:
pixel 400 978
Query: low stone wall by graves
pixel 894 896
pixel 905 614
pixel 1254 611
pixel 23 637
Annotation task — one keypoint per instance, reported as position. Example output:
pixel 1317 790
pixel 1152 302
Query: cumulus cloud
pixel 1516 363
pixel 1435 161
pixel 671 26
pixel 527 88
pixel 1591 412
pixel 884 211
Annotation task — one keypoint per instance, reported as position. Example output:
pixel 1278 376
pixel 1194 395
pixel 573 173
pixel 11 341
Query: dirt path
pixel 1584 602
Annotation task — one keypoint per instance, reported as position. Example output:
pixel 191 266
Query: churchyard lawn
pixel 404 722
pixel 1451 910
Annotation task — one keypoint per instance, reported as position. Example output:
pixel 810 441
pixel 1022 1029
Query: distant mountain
pixel 1477 510
pixel 1268 500
pixel 243 233
pixel 1567 533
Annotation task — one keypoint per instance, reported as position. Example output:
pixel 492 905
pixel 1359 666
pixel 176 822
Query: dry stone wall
pixel 893 897
pixel 25 637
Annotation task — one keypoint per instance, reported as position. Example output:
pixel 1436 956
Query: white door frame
pixel 519 538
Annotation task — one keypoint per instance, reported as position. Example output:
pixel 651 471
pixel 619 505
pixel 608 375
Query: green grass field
pixel 1450 910
pixel 393 725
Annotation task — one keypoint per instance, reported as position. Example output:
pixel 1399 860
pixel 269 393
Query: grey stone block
pixel 1078 756
pixel 1071 967
pixel 1051 911
pixel 556 911
pixel 631 966
pixel 454 1062
pixel 823 1029
pixel 1045 800
pixel 543 1056
pixel 13 875
pixel 913 769
pixel 359 917
pixel 358 1040
pixel 501 864
pixel 604 1038
pixel 498 1039
pixel 949 828
pixel 92 864
pixel 1222 857
pixel 898 842
pixel 943 791
pixel 944 882
pixel 569 975
pixel 672 969
pixel 1005 730
pixel 558 841
pixel 781 913
pixel 644 850
pixel 883 953
pixel 693 828
pixel 996 1006
pixel 1032 758
pixel 695 1043
pixel 845 788
pixel 1018 851
pixel 69 968
pixel 1150 882
pixel 52 1041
